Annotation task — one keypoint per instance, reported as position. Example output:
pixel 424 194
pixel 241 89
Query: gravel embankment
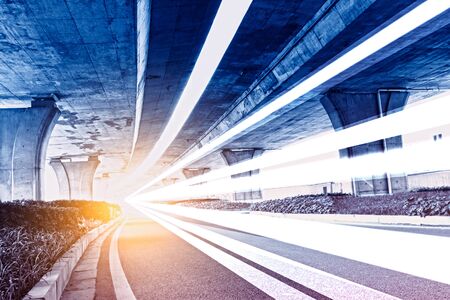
pixel 417 203
pixel 212 204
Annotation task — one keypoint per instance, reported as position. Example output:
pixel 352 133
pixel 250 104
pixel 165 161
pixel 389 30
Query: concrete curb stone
pixel 52 284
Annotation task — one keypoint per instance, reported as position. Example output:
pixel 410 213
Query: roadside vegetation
pixel 34 234
pixel 423 202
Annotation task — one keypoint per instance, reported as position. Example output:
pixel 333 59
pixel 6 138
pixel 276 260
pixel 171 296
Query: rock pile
pixel 216 204
pixel 427 202
pixel 428 205
pixel 309 204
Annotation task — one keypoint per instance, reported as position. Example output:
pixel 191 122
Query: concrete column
pixel 24 136
pixel 63 181
pixel 78 176
pixel 193 172
pixel 349 109
pixel 234 156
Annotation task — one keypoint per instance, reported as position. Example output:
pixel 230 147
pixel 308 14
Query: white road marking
pixel 269 285
pixel 324 283
pixel 399 251
pixel 121 286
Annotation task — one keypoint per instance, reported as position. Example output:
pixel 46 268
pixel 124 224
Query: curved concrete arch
pixel 25 133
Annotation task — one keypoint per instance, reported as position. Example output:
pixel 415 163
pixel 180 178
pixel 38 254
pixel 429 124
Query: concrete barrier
pixel 371 219
pixel 52 284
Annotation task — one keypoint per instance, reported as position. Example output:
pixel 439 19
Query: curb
pixel 373 219
pixel 52 284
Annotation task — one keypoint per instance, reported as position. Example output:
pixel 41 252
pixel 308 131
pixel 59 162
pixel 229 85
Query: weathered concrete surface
pixel 84 52
pixel 234 156
pixel 76 178
pixel 24 136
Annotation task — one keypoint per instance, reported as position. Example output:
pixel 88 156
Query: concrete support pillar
pixel 24 136
pixel 234 156
pixel 349 109
pixel 193 172
pixel 63 180
pixel 78 176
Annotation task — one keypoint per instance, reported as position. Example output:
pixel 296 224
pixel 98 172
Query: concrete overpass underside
pixel 84 55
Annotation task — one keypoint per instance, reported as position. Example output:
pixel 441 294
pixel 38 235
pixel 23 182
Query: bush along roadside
pixel 34 234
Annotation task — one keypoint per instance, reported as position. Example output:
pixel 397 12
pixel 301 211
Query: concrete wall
pixel 331 187
pixel 432 179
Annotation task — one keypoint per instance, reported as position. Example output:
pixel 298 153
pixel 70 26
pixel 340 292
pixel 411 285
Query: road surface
pixel 162 255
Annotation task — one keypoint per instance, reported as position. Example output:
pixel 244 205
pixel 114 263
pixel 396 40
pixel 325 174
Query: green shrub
pixel 34 234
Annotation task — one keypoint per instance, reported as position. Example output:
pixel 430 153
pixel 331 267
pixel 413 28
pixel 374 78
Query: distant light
pixel 405 24
pixel 224 27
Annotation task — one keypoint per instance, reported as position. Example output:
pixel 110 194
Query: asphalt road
pixel 159 264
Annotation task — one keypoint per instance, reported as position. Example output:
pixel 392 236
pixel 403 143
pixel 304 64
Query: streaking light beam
pixel 405 24
pixel 433 113
pixel 224 27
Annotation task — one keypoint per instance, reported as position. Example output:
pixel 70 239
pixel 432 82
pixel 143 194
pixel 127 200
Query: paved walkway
pixel 82 283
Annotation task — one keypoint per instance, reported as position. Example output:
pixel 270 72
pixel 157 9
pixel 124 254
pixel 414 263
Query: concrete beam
pixel 234 156
pixel 24 136
pixel 349 109
pixel 326 24
pixel 76 178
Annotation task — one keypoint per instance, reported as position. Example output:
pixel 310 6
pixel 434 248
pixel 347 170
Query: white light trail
pixel 224 27
pixel 432 113
pixel 384 248
pixel 327 284
pixel 420 158
pixel 405 24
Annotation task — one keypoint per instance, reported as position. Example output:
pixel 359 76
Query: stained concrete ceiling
pixel 262 43
pixel 84 52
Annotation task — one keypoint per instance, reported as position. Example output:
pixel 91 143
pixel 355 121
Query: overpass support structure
pixel 234 156
pixel 75 178
pixel 24 136
pixel 347 109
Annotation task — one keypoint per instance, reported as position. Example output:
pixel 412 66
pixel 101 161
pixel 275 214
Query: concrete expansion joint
pixel 73 265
